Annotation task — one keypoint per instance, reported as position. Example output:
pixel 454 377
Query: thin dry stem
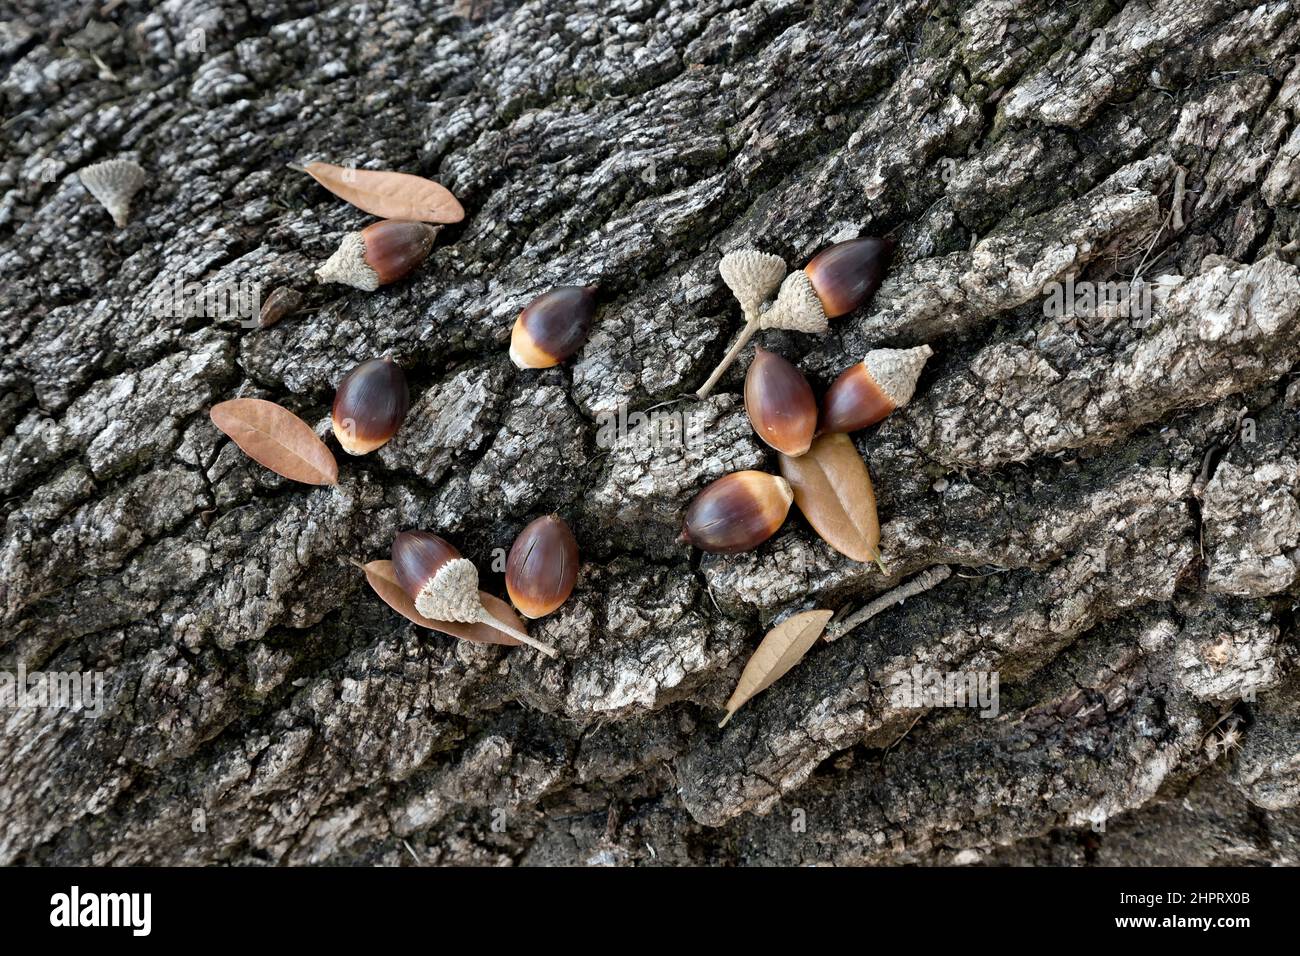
pixel 922 582
pixel 751 326
pixel 518 635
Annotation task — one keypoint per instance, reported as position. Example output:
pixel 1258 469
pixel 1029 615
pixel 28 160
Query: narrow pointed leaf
pixel 389 195
pixel 779 651
pixel 383 580
pixel 277 439
pixel 833 490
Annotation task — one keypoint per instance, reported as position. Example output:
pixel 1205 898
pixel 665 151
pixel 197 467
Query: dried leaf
pixel 389 195
pixel 383 579
pixel 779 651
pixel 278 439
pixel 833 490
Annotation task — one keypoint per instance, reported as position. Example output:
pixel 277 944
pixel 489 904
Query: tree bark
pixel 1118 496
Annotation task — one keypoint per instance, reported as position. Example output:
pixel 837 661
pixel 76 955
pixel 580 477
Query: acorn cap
pixel 114 182
pixel 895 371
pixel 752 276
pixel 796 308
pixel 348 265
pixel 444 586
pixel 451 594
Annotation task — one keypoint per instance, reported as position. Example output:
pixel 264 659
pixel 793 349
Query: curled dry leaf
pixel 833 490
pixel 779 651
pixel 383 580
pixel 389 195
pixel 277 439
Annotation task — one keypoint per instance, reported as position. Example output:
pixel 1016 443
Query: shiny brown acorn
pixel 836 281
pixel 848 273
pixel 369 406
pixel 867 392
pixel 542 567
pixel 738 512
pixel 444 585
pixel 780 403
pixel 553 326
pixel 381 253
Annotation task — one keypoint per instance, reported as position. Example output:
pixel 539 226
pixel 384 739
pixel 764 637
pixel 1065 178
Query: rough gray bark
pixel 1119 500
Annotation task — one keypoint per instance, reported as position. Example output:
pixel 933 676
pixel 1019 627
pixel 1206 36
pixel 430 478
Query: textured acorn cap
pixel 752 276
pixel 114 182
pixel 348 265
pixel 452 593
pixel 797 307
pixel 895 371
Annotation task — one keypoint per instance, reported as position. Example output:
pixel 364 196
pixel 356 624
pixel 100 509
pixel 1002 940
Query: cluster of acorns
pixel 370 405
pixel 740 511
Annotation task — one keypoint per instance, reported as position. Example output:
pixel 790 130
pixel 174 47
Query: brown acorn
pixel 369 406
pixel 780 403
pixel 281 302
pixel 381 253
pixel 553 326
pixel 542 567
pixel 847 274
pixel 444 586
pixel 867 392
pixel 738 512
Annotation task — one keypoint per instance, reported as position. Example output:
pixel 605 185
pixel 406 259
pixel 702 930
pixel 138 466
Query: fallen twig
pixel 922 582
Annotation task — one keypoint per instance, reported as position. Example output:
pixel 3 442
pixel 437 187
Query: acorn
pixel 780 403
pixel 444 585
pixel 553 326
pixel 738 512
pixel 369 406
pixel 847 274
pixel 867 392
pixel 542 567
pixel 281 302
pixel 381 253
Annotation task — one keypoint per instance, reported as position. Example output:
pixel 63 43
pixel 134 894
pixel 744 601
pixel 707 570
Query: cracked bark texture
pixel 1119 500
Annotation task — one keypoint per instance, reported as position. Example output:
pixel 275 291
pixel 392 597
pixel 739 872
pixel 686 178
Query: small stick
pixel 922 582
pixel 499 625
pixel 1180 192
pixel 751 326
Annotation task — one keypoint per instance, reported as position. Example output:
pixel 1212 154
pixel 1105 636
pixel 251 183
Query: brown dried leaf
pixel 383 579
pixel 779 651
pixel 277 439
pixel 389 195
pixel 833 490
